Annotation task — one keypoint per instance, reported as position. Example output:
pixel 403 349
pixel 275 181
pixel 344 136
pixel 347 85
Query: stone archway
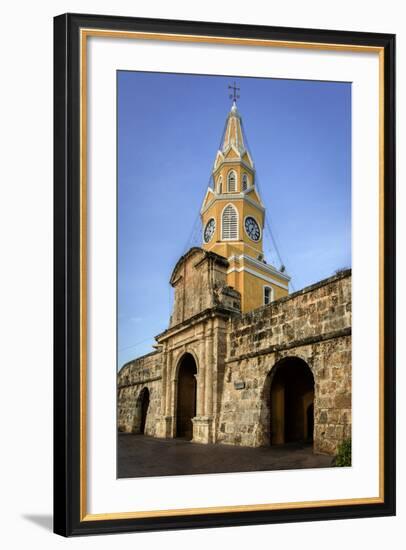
pixel 186 396
pixel 291 402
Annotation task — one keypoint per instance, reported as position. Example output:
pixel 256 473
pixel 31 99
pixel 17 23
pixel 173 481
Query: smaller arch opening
pixel 232 182
pixel 186 397
pixel 141 411
pixel 244 182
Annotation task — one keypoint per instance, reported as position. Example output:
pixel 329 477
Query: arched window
pixel 244 182
pixel 219 184
pixel 267 295
pixel 229 223
pixel 231 182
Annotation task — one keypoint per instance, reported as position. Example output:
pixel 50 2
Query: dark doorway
pixel 186 400
pixel 292 396
pixel 144 404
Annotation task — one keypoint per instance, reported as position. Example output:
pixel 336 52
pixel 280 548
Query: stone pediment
pixel 200 282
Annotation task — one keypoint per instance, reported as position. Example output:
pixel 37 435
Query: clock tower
pixel 233 217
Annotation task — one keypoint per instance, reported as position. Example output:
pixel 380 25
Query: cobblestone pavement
pixel 141 456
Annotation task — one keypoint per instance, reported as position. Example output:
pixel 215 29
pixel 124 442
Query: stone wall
pixel 238 356
pixel 314 313
pixel 144 372
pixel 313 325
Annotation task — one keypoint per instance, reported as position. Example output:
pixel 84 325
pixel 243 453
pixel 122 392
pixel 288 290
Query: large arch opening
pixel 186 397
pixel 292 402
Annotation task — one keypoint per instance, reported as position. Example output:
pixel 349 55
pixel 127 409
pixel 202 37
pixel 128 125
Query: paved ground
pixel 141 456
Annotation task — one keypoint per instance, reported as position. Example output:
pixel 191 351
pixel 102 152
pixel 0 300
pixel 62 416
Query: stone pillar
pixel 215 379
pixel 164 371
pixel 209 370
pixel 200 379
pixel 198 399
pixel 168 418
pixel 172 383
pixel 202 423
pixel 168 384
pixel 161 423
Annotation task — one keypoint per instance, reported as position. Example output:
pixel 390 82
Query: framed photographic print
pixel 224 274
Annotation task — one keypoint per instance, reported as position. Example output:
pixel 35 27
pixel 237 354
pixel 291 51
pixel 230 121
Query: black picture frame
pixel 68 520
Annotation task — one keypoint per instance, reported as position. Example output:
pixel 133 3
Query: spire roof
pixel 233 135
pixel 233 143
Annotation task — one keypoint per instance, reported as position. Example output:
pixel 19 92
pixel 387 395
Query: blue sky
pixel 169 129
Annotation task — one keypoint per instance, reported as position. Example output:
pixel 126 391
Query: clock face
pixel 252 228
pixel 209 230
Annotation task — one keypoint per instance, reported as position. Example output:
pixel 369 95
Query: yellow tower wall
pixel 251 288
pixel 244 209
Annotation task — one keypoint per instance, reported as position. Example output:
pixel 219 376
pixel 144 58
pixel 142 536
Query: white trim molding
pixel 208 192
pixel 259 275
pixel 217 167
pixel 258 264
pixel 233 196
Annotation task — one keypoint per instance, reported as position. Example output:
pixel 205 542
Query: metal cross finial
pixel 234 96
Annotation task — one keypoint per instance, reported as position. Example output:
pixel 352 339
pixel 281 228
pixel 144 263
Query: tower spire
pixel 233 218
pixel 233 135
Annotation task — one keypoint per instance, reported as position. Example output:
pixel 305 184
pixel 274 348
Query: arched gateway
pixel 186 396
pixel 291 402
